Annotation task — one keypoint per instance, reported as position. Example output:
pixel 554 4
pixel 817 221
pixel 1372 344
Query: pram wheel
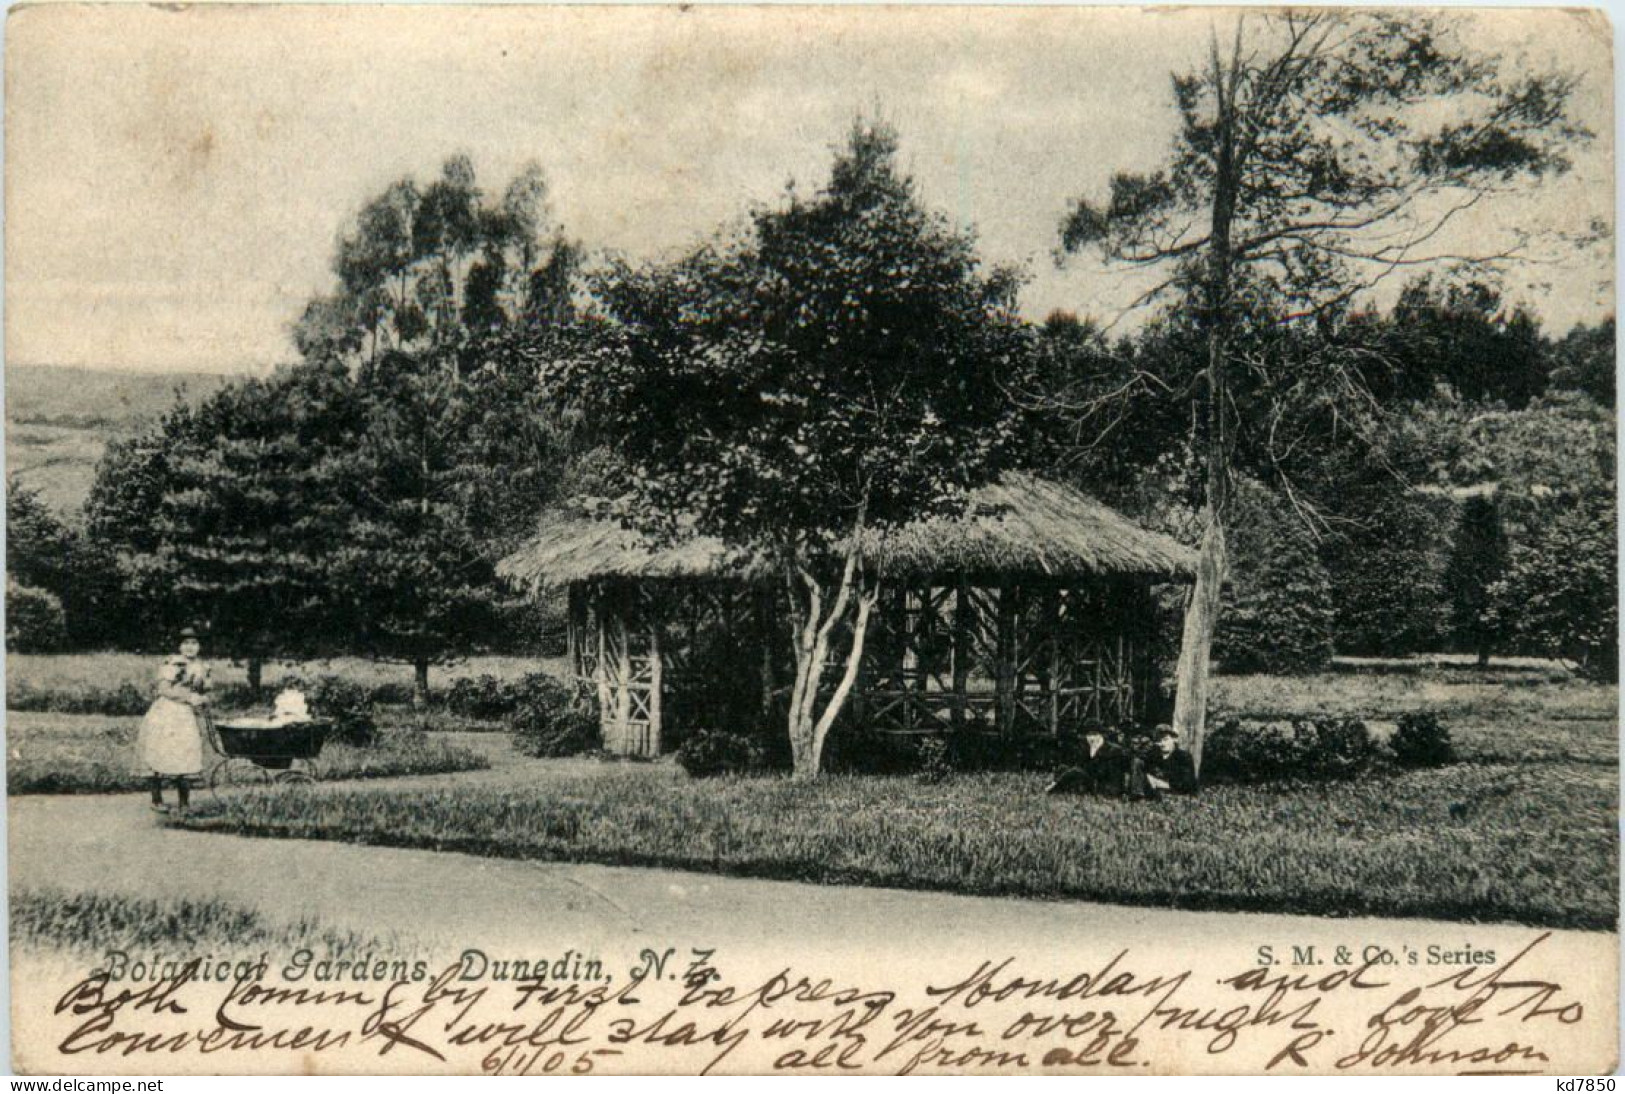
pixel 301 773
pixel 237 771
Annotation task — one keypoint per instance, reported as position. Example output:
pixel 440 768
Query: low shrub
pixel 1259 752
pixel 549 719
pixel 969 751
pixel 35 621
pixel 936 761
pixel 348 707
pixel 484 696
pixel 490 698
pixel 123 701
pixel 709 754
pixel 1422 740
pixel 390 693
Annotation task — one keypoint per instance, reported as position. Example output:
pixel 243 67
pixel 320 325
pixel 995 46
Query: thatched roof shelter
pixel 1018 526
pixel 1030 612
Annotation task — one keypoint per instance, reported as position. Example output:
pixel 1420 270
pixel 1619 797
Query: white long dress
pixel 171 737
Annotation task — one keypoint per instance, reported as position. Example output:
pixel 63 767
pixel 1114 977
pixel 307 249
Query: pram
pixel 252 752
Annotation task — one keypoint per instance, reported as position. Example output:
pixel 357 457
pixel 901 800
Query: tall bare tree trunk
pixel 1202 612
pixel 1196 646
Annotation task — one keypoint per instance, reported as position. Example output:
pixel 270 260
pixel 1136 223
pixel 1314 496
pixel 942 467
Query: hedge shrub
pixel 1277 615
pixel 711 753
pixel 1422 740
pixel 549 719
pixel 485 697
pixel 348 707
pixel 1302 749
pixel 35 622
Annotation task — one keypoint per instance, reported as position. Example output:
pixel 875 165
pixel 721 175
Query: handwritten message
pixel 692 1010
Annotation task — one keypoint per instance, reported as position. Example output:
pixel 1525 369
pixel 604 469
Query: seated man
pixel 1168 769
pixel 1101 770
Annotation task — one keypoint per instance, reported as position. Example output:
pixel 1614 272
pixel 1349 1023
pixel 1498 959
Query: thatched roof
pixel 1019 526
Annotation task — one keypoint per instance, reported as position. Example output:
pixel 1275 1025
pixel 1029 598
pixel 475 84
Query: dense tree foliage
pixel 319 511
pixel 1584 361
pixel 1560 596
pixel 1461 336
pixel 839 369
pixel 448 471
pixel 45 553
pixel 1278 602
pixel 224 515
pixel 35 622
pixel 427 266
pixel 1478 559
pixel 1310 162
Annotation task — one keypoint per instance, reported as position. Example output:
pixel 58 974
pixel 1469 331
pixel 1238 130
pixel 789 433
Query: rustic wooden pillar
pixel 963 617
pixel 1004 690
pixel 903 628
pixel 574 617
pixel 623 673
pixel 601 667
pixel 1052 682
pixel 763 624
pixel 657 675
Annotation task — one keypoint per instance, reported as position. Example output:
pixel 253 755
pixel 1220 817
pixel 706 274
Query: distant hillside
pixel 59 420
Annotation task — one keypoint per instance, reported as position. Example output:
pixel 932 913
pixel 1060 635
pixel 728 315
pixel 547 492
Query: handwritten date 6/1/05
pixel 1375 954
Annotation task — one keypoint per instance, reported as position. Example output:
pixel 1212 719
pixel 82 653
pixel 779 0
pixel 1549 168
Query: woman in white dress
pixel 170 745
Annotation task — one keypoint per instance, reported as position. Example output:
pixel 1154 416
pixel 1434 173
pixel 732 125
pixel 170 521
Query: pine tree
pixel 1478 559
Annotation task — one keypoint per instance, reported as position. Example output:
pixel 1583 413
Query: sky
pixel 176 176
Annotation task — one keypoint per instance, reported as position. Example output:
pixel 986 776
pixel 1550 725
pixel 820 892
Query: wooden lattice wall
pixel 962 655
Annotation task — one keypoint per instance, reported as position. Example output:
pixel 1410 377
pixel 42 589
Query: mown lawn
pixel 68 673
pixel 93 923
pixel 90 754
pixel 1481 842
pixel 1520 713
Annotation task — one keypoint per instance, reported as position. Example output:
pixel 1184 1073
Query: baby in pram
pixel 289 708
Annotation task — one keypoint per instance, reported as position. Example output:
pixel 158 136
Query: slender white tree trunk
pixel 814 630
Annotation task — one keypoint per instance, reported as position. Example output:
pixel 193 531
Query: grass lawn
pixel 1523 830
pixel 78 754
pixel 68 673
pixel 93 923
pixel 1485 842
pixel 1532 841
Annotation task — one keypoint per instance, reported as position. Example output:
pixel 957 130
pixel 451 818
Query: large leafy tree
pixel 1463 335
pixel 1478 559
pixel 225 514
pixel 1584 361
pixel 437 265
pixel 1311 161
pixel 43 552
pixel 451 466
pixel 1560 595
pixel 836 372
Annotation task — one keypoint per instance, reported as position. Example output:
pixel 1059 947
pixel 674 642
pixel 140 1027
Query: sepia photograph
pixel 687 540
